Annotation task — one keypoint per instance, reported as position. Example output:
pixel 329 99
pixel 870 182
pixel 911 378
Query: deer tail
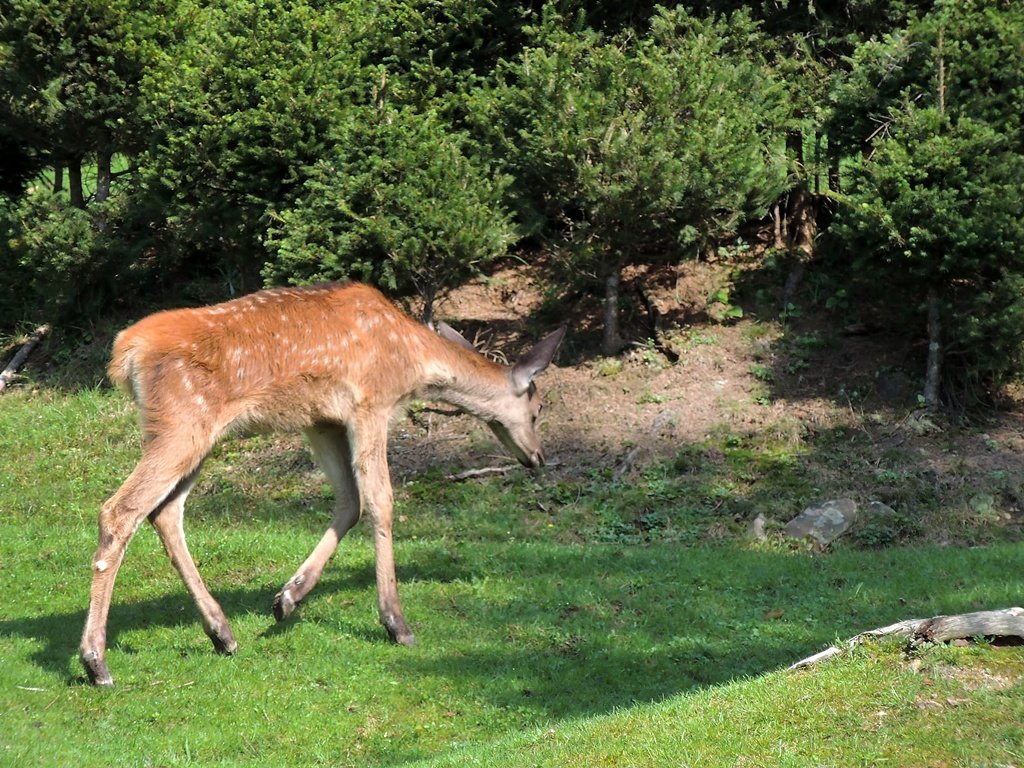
pixel 122 368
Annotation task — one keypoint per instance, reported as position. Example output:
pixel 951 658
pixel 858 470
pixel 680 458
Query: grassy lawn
pixel 534 649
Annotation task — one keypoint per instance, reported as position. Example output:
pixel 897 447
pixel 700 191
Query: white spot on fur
pixel 100 565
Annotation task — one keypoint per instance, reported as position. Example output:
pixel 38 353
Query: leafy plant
pixel 721 308
pixel 398 203
pixel 609 140
pixel 933 213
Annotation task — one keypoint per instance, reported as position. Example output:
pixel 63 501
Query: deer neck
pixel 468 381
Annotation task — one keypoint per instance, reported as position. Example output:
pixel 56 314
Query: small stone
pixel 824 522
pixel 756 531
pixel 877 509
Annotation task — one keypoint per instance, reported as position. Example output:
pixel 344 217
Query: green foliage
pixel 982 45
pixel 236 116
pixel 935 208
pixel 629 145
pixel 291 140
pixel 398 203
pixel 54 257
pixel 72 70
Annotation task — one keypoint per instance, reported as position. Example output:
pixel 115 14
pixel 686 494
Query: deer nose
pixel 537 460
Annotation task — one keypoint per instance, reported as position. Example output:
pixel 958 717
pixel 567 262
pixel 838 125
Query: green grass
pixel 866 711
pixel 543 640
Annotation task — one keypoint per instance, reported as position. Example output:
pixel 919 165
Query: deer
pixel 335 361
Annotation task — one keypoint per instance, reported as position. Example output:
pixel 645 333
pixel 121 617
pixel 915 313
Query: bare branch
pixel 22 355
pixel 1008 622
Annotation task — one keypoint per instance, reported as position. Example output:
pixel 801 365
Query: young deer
pixel 334 361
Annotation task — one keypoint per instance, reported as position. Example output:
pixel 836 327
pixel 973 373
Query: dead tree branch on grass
pixel 1005 623
pixel 22 355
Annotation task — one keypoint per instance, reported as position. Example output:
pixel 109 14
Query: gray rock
pixel 824 522
pixel 756 531
pixel 876 510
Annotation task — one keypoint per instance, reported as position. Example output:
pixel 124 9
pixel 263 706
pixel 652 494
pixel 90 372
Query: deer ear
pixel 445 331
pixel 536 360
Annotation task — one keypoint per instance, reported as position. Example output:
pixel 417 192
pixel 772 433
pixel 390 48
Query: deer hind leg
pixel 168 520
pixel 154 480
pixel 333 452
pixel 371 465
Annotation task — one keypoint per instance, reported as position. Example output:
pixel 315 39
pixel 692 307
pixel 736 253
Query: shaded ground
pixel 749 375
pixel 774 409
pixel 844 402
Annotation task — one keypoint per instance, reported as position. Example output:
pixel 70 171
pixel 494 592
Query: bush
pixel 936 211
pixel 54 260
pixel 625 147
pixel 933 218
pixel 398 203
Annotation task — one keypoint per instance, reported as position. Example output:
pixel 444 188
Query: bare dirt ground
pixel 747 375
pixel 808 381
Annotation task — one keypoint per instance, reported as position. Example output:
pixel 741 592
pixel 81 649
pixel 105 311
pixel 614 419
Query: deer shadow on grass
pixel 573 631
pixel 59 633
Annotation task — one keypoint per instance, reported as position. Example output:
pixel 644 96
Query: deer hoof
pixel 283 605
pixel 96 668
pixel 407 639
pixel 223 640
pixel 399 631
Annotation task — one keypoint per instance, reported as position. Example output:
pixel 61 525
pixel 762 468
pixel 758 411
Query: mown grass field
pixel 535 648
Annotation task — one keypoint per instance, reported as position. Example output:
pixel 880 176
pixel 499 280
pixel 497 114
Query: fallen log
pixel 22 355
pixel 481 472
pixel 1005 623
pixel 469 474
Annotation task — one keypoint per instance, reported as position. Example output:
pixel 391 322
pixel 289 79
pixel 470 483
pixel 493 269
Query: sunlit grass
pixel 536 644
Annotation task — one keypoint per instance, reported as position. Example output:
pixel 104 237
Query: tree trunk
pixel 428 296
pixel 942 74
pixel 612 341
pixel 779 220
pixel 803 222
pixel 22 355
pixel 834 180
pixel 800 211
pixel 102 175
pixel 817 162
pixel 795 149
pixel 75 183
pixel 793 280
pixel 58 178
pixel 934 367
pixel 1006 623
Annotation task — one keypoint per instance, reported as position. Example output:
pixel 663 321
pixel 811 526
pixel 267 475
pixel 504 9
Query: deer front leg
pixel 374 481
pixel 332 450
pixel 120 517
